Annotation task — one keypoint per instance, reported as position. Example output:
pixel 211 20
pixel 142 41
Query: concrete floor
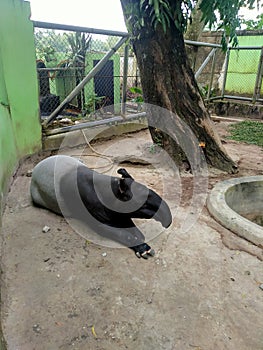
pixel 201 291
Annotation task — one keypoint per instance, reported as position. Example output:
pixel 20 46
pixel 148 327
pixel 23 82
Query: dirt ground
pixel 202 290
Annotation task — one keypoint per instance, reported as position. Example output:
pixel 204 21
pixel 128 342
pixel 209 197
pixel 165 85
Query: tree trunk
pixel 168 81
pixel 193 32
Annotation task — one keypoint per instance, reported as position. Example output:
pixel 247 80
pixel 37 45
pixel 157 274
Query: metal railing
pixel 236 75
pixel 84 73
pixel 89 75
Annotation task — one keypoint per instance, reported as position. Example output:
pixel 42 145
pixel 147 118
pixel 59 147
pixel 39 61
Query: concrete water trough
pixel 237 204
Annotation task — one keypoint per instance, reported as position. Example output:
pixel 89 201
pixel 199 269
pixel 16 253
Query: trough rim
pixel 221 212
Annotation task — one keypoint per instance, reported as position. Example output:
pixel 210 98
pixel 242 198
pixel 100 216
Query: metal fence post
pixel 200 69
pixel 212 74
pixel 225 73
pixel 259 77
pixel 124 82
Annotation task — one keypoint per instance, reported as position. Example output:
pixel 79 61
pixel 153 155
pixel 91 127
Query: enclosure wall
pixel 20 130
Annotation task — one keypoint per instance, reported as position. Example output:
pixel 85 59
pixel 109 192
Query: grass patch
pixel 247 131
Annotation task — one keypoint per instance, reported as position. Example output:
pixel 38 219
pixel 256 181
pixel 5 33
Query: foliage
pixel 91 102
pixel 136 94
pixel 60 46
pixel 79 44
pixel 49 43
pixel 105 45
pixel 157 12
pixel 254 24
pixel 247 131
pixel 223 14
pixel 56 46
pixel 204 90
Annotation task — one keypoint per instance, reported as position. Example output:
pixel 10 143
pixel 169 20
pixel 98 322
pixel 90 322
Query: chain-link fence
pixel 66 56
pixel 232 75
pixel 86 73
pixel 242 74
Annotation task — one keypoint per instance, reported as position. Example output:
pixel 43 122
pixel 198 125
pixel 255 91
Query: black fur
pixel 106 204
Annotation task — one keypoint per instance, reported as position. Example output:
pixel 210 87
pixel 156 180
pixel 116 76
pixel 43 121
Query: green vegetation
pixel 254 24
pixel 137 95
pixel 247 131
pixel 92 103
pixel 53 46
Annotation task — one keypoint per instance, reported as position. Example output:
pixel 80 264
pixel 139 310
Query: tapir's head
pixel 145 203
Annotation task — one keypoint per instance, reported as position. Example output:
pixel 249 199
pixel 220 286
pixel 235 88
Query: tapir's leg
pixel 143 251
pixel 130 237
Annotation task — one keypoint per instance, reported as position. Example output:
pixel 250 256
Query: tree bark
pixel 168 81
pixel 193 32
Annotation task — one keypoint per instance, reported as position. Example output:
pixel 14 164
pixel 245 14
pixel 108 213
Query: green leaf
pixel 156 9
pixel 135 90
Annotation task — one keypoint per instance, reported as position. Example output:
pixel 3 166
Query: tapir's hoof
pixel 146 254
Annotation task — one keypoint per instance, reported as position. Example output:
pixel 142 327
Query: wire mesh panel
pixel 236 74
pixel 66 57
pixel 242 72
pixel 206 62
pixel 61 65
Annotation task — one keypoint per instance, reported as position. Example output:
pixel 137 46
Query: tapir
pixel 107 204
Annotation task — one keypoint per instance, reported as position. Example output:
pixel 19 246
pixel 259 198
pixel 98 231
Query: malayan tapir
pixel 107 204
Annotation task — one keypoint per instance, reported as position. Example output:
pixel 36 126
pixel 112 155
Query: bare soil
pixel 202 290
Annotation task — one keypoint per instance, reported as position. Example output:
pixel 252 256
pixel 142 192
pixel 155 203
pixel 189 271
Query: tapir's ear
pixel 124 173
pixel 123 185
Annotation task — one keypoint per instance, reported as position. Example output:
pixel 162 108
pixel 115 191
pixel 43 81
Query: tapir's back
pixel 46 177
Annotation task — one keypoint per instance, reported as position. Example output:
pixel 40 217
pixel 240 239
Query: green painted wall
pixel 243 65
pixel 20 130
